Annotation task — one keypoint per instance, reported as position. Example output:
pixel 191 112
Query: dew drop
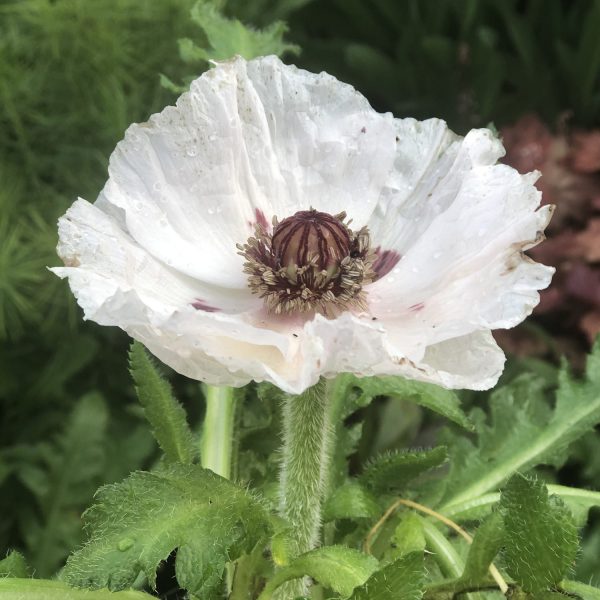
pixel 157 186
pixel 124 544
pixel 191 152
pixel 211 211
pixel 212 137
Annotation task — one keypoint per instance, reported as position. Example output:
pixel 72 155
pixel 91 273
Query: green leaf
pixel 408 537
pixel 403 579
pixel 44 589
pixel 579 502
pixel 390 472
pixel 14 565
pixel 336 567
pixel 73 465
pixel 587 592
pixel 440 400
pixel 351 501
pixel 166 416
pixel 523 432
pixel 486 544
pixel 136 524
pixel 541 538
pixel 228 37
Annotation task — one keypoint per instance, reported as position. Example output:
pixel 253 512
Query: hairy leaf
pixel 45 589
pixel 402 579
pixel 523 432
pixel 14 565
pixel 336 567
pixel 166 416
pixel 541 538
pixel 440 400
pixel 390 472
pixel 408 537
pixel 136 524
pixel 587 592
pixel 351 501
pixel 486 544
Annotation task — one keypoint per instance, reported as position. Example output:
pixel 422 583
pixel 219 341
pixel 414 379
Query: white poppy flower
pixel 175 248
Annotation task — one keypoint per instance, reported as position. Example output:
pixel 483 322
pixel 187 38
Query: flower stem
pixel 217 431
pixel 306 441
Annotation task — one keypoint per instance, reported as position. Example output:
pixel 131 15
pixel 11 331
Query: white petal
pixel 248 137
pixel 103 261
pixel 466 270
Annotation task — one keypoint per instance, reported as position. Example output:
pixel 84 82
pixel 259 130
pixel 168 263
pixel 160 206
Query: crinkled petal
pixel 248 139
pixel 156 255
pixel 466 271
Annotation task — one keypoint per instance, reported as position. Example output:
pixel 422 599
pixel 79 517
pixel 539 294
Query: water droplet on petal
pixel 212 137
pixel 211 211
pixel 191 151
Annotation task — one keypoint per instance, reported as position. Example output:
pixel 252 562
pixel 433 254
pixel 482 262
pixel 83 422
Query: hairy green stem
pixel 217 431
pixel 305 458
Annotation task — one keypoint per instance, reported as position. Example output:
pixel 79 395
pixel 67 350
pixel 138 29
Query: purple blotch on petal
pixel 261 220
pixel 199 304
pixel 386 260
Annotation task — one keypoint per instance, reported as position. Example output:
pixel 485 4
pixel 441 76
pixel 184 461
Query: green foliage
pixel 225 38
pixel 228 37
pixel 136 524
pixel 62 478
pixel 408 536
pixel 523 431
pixel 45 589
pixel 351 501
pixel 165 415
pixel 14 565
pixel 335 567
pixel 540 535
pixel 467 62
pixel 391 472
pixel 486 544
pixel 402 579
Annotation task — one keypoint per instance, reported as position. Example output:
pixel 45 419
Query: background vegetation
pixel 75 73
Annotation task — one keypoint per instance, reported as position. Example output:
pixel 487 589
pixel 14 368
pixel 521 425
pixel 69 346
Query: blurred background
pixel 75 73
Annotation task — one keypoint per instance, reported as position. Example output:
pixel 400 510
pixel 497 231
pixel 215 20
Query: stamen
pixel 311 262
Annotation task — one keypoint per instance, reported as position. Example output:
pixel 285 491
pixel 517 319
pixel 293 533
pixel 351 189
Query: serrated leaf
pixel 351 501
pixel 428 395
pixel 391 471
pixel 136 524
pixel 166 416
pixel 14 565
pixel 45 589
pixel 523 431
pixel 228 37
pixel 403 579
pixel 336 567
pixel 73 464
pixel 541 540
pixel 486 544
